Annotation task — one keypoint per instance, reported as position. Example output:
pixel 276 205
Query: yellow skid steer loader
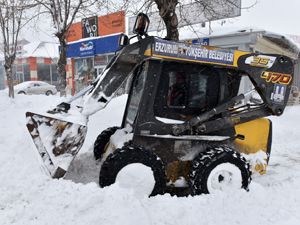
pixel 186 112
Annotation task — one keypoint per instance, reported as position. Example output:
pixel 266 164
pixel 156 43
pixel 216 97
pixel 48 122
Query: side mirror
pixel 141 24
pixel 123 40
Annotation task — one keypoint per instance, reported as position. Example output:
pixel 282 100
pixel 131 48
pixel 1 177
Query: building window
pixel 84 72
pixel 43 72
pixel 47 73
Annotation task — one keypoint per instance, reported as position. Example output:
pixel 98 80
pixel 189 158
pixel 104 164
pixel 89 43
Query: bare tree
pixel 12 19
pixel 63 13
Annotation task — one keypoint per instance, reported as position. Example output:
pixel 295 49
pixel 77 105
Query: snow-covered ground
pixel 28 196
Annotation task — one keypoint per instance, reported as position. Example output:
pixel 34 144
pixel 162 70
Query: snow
pixel 121 136
pixel 169 121
pixel 141 186
pixel 28 196
pixel 40 49
pixel 257 161
pixel 231 175
pixel 26 84
pixel 188 34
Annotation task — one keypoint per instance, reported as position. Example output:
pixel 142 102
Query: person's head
pixel 180 78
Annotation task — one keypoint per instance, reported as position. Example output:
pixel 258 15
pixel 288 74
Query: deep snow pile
pixel 28 196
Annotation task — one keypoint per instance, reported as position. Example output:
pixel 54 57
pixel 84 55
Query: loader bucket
pixel 56 140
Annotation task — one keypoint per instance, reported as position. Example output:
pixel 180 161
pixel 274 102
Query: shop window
pixel 47 73
pixel 26 72
pixel 54 72
pixel 84 72
pixel 43 72
pixel 110 57
pixel 100 60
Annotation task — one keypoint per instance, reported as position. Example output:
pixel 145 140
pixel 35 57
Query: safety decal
pixel 278 94
pixel 276 78
pixel 261 61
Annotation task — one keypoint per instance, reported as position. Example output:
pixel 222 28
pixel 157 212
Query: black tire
pixel 49 92
pixel 128 155
pixel 22 93
pixel 102 140
pixel 205 162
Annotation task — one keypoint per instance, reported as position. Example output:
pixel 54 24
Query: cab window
pixel 186 89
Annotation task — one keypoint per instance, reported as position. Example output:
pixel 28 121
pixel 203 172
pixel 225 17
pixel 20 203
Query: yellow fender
pixel 256 145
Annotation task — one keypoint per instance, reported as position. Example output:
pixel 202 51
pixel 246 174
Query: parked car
pixel 35 87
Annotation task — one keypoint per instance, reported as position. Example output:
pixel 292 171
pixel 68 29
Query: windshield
pixel 136 94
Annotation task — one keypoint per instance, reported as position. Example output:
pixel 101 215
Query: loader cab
pixel 164 93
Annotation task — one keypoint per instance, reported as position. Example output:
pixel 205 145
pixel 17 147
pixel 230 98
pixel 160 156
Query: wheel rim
pixel 137 177
pixel 224 177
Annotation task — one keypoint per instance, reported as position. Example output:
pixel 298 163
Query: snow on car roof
pixel 27 83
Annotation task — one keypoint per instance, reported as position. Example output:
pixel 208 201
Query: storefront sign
pixel 74 32
pixel 97 26
pixel 89 27
pixel 87 48
pixel 93 47
pixel 192 52
pixel 201 41
pixel 112 23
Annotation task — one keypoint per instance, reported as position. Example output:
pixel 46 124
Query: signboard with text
pixel 112 23
pixel 192 52
pixel 97 46
pixel 201 41
pixel 97 26
pixel 89 27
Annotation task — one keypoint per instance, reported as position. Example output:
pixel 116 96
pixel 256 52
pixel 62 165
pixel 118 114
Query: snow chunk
pixel 257 161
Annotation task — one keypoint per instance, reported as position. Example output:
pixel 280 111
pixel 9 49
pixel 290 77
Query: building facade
pixel 259 41
pixel 91 44
pixel 34 61
pixel 87 59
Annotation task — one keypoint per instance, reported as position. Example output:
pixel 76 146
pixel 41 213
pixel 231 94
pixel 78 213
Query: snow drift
pixel 28 196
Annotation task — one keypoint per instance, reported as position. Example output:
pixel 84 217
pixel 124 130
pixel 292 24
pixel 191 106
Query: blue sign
pixel 192 52
pixel 87 48
pixel 201 41
pixel 93 47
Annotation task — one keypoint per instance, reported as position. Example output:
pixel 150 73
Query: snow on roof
pixel 285 41
pixel 280 39
pixel 40 49
pixel 188 33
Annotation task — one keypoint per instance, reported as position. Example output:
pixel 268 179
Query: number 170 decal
pixel 277 78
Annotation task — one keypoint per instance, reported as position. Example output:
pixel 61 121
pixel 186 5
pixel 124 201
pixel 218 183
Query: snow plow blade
pixel 56 140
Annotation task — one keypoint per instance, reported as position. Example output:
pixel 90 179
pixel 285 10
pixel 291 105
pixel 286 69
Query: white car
pixel 35 87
